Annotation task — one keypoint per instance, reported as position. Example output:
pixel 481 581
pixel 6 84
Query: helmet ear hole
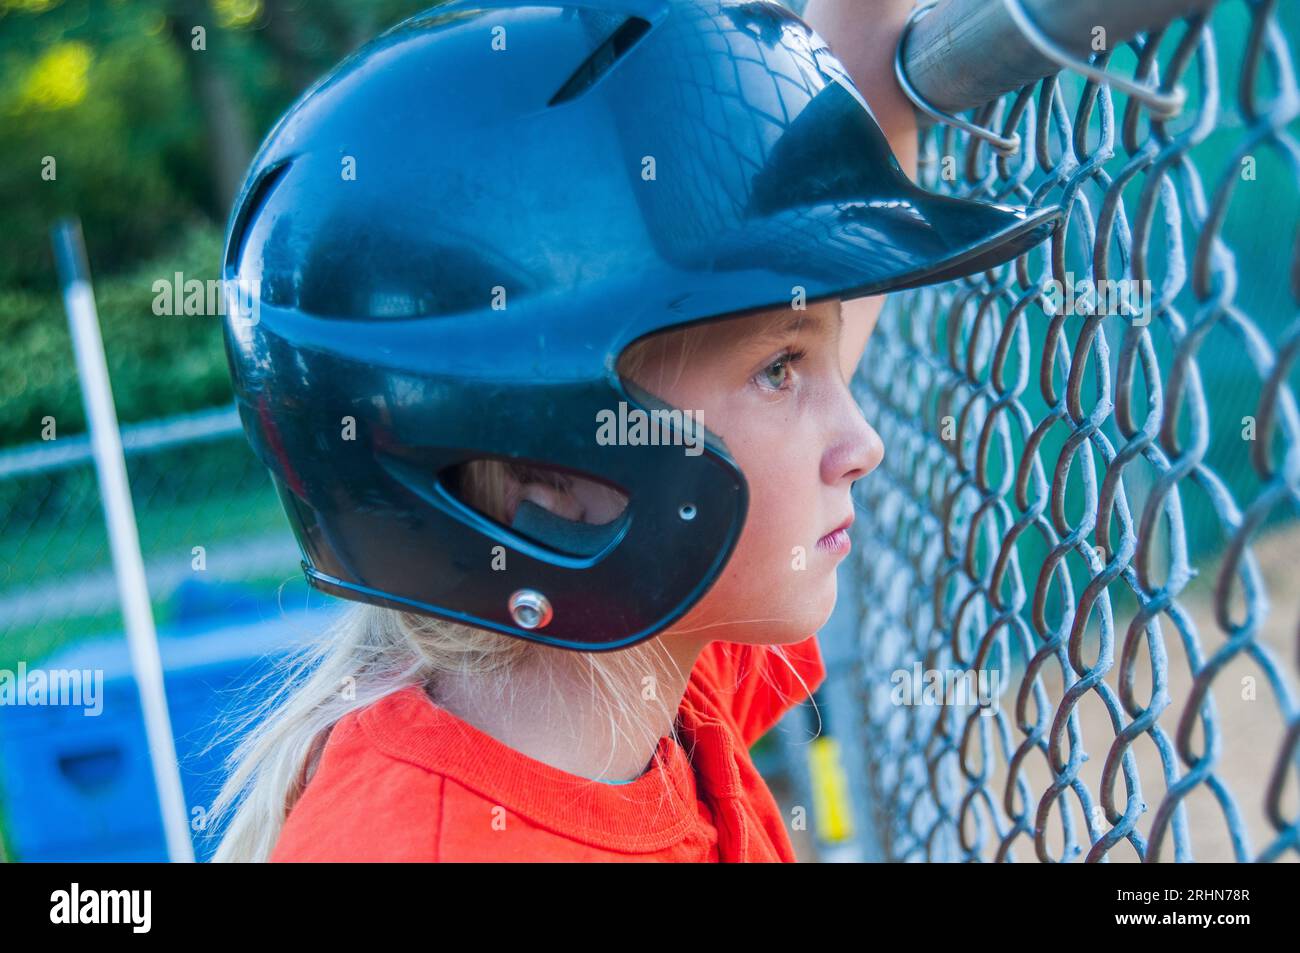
pixel 571 513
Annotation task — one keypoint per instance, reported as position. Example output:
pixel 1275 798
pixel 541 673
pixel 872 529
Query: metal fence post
pixel 119 513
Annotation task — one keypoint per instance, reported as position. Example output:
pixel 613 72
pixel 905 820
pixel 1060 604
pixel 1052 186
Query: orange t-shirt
pixel 406 780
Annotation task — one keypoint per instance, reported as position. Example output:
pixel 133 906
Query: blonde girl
pixel 557 309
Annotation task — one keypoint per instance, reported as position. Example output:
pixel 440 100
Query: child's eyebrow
pixel 803 321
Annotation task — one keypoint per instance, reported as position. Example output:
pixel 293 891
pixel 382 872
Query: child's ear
pixel 557 501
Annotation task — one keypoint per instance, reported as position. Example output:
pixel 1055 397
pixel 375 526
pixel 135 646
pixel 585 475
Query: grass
pixel 47 554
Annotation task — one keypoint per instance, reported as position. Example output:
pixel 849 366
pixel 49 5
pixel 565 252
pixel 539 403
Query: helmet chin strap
pixel 569 536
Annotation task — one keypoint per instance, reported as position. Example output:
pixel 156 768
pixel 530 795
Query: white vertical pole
pixel 128 564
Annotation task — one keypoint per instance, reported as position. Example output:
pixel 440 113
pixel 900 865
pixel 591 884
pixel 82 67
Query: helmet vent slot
pixel 256 196
pixel 602 60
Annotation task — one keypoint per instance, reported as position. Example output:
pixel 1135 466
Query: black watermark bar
pixel 126 902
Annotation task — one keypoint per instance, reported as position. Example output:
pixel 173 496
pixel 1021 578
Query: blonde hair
pixel 370 652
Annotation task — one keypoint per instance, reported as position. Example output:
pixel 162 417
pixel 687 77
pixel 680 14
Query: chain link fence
pixel 207 518
pixel 1093 512
pixel 1077 632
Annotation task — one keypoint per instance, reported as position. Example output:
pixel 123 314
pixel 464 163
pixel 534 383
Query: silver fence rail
pixel 1074 630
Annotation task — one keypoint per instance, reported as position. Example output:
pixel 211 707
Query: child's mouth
pixel 836 542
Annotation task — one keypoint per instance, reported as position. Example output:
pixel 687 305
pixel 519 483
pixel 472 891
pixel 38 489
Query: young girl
pixel 564 645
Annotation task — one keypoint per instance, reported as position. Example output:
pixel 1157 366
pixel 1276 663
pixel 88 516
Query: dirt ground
pixel 1250 719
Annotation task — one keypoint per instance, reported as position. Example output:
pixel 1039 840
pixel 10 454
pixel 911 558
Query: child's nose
pixel 856 449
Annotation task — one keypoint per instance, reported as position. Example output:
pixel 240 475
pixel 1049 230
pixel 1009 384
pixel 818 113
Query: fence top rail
pixel 961 54
pixel 43 456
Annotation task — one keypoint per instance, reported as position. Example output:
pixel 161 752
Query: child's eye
pixel 776 375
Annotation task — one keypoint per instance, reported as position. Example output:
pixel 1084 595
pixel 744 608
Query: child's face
pixel 778 397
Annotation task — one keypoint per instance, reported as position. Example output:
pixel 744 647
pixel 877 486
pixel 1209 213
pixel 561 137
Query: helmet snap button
pixel 530 609
pixel 687 512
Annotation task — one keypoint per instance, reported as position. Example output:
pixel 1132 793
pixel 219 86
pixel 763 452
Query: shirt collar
pixel 648 814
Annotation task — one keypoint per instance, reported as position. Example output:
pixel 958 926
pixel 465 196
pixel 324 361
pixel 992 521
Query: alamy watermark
pixel 1126 296
pixel 63 687
pixel 127 907
pixel 240 298
pixel 634 427
pixel 945 686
